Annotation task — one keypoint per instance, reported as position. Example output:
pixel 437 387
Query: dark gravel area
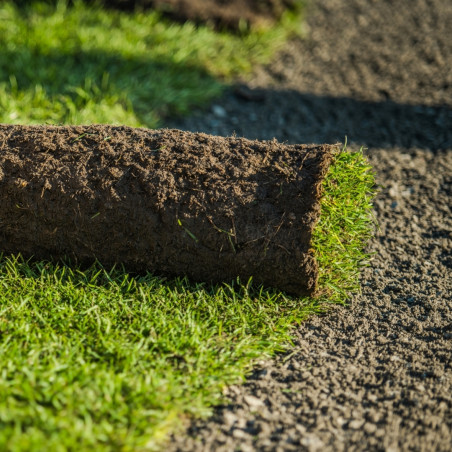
pixel 376 375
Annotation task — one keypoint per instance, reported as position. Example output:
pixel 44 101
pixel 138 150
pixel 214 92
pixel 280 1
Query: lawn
pixel 97 359
pixel 82 65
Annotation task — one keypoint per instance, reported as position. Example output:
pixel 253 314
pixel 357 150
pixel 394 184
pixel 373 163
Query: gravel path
pixel 376 375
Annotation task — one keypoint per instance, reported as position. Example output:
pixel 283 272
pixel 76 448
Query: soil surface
pixel 378 374
pixel 171 202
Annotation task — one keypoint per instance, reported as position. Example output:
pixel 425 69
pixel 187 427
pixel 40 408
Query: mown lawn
pixel 98 359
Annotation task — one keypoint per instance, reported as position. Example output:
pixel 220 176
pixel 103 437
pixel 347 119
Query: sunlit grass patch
pixel 102 360
pixel 83 64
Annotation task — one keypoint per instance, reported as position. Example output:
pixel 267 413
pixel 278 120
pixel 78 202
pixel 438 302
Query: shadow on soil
pixel 289 115
pixel 164 89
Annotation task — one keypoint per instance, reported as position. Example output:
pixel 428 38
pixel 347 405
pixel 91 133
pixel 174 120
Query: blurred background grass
pixel 82 64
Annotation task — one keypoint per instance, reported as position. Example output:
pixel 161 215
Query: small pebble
pixel 239 434
pixel 356 424
pixel 253 402
pixel 219 111
pixel 370 428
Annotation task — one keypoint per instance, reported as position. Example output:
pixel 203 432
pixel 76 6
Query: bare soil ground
pixel 378 374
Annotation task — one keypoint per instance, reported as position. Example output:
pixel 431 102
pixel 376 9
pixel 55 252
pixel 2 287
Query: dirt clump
pixel 167 201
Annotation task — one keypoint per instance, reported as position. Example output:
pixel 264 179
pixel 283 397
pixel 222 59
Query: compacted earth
pixel 376 375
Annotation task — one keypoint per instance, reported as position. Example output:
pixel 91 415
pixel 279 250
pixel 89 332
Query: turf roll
pixel 166 201
pixel 231 14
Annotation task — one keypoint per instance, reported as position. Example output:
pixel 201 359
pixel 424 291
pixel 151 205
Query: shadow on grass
pixel 95 274
pixel 75 87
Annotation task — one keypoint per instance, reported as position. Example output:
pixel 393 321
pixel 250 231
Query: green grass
pixel 345 224
pixel 100 360
pixel 97 360
pixel 105 361
pixel 83 65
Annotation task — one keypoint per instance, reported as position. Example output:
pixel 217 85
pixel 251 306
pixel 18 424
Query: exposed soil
pixel 171 202
pixel 378 374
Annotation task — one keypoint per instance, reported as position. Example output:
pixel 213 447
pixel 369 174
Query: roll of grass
pixel 179 203
pixel 104 360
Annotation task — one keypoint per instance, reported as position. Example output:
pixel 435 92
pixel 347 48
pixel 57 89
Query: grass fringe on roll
pixel 100 360
pixel 345 224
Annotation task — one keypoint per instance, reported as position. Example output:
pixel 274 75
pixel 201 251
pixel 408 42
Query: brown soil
pixel 218 13
pixel 172 202
pixel 226 13
pixel 376 376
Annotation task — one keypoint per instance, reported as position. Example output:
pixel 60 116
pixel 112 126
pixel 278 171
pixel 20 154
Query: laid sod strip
pixel 83 64
pixel 235 14
pixel 238 15
pixel 100 360
pixel 165 201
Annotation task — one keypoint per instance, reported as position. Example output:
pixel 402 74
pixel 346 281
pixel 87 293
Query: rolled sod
pixel 165 201
pixel 222 14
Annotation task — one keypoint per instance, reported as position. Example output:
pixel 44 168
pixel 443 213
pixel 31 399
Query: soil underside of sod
pixel 219 13
pixel 171 202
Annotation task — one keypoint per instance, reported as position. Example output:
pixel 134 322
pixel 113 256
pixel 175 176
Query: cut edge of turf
pixel 345 225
